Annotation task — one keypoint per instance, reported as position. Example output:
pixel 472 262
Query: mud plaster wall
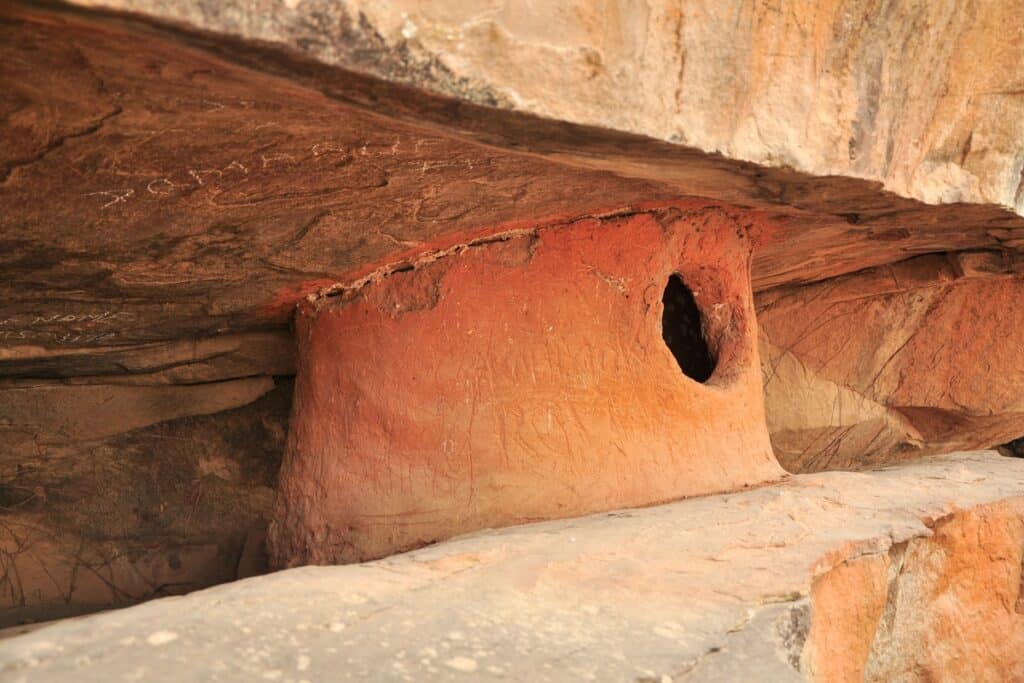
pixel 520 380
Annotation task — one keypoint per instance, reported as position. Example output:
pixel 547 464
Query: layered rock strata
pixel 167 199
pixel 918 357
pixel 925 97
pixel 126 486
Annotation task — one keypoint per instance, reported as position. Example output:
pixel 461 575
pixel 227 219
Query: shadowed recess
pixel 681 328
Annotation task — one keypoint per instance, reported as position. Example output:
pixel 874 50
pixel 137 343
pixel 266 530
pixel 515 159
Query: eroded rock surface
pixel 920 357
pixel 947 606
pixel 520 380
pixel 923 96
pixel 862 572
pixel 207 186
pixel 167 198
pixel 97 521
pixel 128 472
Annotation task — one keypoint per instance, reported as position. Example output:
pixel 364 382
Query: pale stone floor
pixel 712 588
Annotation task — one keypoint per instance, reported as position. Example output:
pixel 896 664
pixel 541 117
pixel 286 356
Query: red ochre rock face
pixel 893 363
pixel 521 379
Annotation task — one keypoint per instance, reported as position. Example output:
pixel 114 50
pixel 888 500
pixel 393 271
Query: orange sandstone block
pixel 519 380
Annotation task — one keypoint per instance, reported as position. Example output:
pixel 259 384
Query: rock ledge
pixel 829 576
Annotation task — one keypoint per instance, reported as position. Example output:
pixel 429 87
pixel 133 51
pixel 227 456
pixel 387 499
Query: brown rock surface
pixel 106 521
pixel 848 602
pixel 920 357
pixel 130 472
pixel 946 606
pixel 924 96
pixel 206 186
pixel 167 199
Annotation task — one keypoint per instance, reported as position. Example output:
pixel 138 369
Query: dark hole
pixel 681 328
pixel 1015 448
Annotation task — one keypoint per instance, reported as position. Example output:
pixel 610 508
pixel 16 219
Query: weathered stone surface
pixel 920 357
pixel 521 380
pixel 745 586
pixel 167 198
pixel 185 361
pixel 947 606
pixel 924 96
pixel 91 522
pixel 44 413
pixel 130 472
pixel 208 198
pixel 205 186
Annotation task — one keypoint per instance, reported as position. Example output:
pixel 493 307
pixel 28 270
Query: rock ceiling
pixel 925 97
pixel 158 185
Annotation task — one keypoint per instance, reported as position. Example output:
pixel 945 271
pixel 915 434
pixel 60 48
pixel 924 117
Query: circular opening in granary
pixel 683 330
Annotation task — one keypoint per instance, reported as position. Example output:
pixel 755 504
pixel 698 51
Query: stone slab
pixel 713 588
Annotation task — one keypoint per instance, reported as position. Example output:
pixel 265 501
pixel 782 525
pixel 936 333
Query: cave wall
pixel 169 200
pixel 122 487
pixel 919 357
